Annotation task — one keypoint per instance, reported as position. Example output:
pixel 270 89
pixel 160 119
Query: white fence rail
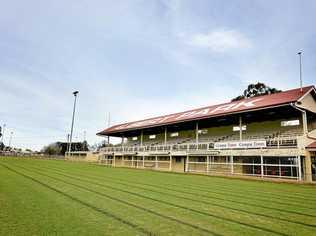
pixel 276 143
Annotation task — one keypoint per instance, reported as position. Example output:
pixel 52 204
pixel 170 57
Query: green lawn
pixel 47 197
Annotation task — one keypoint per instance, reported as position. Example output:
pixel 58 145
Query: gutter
pixel 303 111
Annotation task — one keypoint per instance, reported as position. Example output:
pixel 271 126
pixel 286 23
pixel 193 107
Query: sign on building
pixel 240 144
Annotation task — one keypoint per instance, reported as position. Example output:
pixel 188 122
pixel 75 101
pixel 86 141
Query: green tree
pixel 52 149
pixel 255 90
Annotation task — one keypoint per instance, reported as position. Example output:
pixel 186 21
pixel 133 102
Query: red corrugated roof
pixel 312 146
pixel 254 103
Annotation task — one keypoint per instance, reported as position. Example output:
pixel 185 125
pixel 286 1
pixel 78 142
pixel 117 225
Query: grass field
pixel 47 197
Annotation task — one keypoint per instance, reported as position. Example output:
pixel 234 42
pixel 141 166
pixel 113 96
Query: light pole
pixel 301 80
pixel 73 119
pixel 3 128
pixel 10 139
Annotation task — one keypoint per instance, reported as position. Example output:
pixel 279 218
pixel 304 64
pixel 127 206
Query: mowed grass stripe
pixel 193 210
pixel 253 210
pixel 288 207
pixel 269 188
pixel 27 208
pixel 101 211
pixel 238 191
pixel 207 231
pixel 289 219
pixel 198 195
pixel 122 178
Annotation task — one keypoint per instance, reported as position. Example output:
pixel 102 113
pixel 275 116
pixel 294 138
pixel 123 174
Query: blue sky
pixel 138 59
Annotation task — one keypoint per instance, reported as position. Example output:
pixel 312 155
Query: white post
pixel 170 163
pixel 143 161
pixel 240 128
pixel 132 161
pixel 141 138
pixel 113 161
pixel 261 166
pixel 299 168
pixel 156 162
pixel 187 164
pixel 304 119
pixel 280 169
pixel 207 164
pixel 122 164
pixel 232 165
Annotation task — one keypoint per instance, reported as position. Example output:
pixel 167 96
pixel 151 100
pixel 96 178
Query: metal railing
pixel 275 143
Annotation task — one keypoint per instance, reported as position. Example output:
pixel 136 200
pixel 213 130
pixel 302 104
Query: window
pixel 178 159
pixel 290 123
pixel 175 134
pixel 236 128
pixel 153 136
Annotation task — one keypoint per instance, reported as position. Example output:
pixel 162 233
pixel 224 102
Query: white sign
pixel 290 123
pixel 237 128
pixel 175 134
pixel 241 144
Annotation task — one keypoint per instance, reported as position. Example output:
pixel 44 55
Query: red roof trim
pixel 312 146
pixel 255 103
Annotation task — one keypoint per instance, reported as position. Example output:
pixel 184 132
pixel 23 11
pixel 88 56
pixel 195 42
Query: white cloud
pixel 220 40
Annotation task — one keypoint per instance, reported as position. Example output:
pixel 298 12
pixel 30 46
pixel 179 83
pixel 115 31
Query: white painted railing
pixel 276 143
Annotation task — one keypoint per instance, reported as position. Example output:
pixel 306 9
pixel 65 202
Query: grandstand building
pixel 267 136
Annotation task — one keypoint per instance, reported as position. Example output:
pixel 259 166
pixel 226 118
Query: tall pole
pixel 68 139
pixel 73 120
pixel 301 80
pixel 109 122
pixel 3 128
pixel 10 138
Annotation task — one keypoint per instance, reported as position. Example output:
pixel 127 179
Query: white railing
pixel 275 143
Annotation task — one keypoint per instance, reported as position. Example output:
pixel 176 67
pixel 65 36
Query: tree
pixel 255 90
pixel 52 149
pixel 60 148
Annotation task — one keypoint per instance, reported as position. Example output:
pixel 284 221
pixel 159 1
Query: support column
pixel 240 128
pixel 261 165
pixel 166 135
pixel 133 161
pixel 122 163
pixel 143 161
pixel 280 169
pixel 207 164
pixel 156 162
pixel 304 120
pixel 232 165
pixel 113 161
pixel 299 168
pixel 308 168
pixel 141 138
pixel 122 141
pixel 170 163
pixel 197 134
pixel 187 164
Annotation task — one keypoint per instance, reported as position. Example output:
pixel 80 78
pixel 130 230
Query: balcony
pixel 274 143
